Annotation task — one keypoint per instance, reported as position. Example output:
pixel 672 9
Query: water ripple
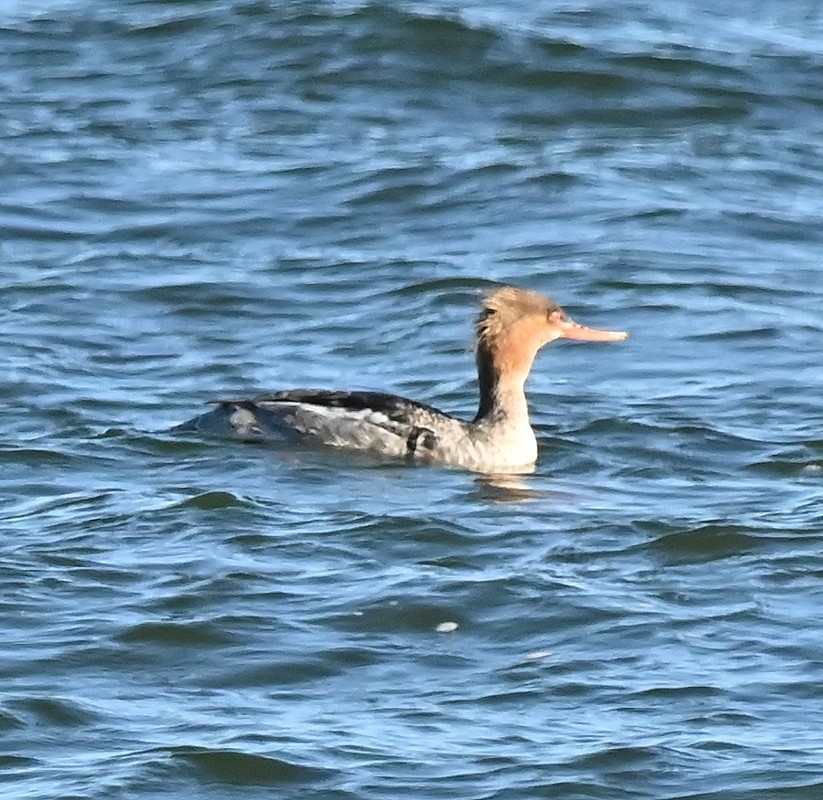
pixel 203 200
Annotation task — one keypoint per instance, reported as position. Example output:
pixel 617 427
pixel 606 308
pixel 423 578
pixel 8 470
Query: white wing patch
pixel 245 424
pixel 338 426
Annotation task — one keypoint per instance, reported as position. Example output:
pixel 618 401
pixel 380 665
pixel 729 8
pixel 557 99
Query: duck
pixel 512 326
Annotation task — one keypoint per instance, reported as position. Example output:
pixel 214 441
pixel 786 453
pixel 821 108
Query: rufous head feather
pixel 506 306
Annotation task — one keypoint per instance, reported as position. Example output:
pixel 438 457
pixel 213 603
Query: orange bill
pixel 573 330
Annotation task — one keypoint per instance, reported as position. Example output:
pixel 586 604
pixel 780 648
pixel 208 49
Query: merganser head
pixel 515 323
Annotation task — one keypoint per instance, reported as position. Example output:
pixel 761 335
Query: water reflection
pixel 508 487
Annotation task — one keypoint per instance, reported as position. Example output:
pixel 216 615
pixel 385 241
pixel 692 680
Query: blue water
pixel 210 199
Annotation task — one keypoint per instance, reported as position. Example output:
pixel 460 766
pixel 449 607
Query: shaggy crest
pixel 503 307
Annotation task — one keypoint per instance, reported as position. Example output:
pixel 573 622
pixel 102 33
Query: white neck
pixel 502 392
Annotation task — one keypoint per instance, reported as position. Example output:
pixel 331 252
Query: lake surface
pixel 201 199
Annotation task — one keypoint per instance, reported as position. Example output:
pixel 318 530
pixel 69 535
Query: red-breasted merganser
pixel 512 326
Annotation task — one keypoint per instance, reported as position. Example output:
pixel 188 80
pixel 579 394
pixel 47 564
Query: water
pixel 201 199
